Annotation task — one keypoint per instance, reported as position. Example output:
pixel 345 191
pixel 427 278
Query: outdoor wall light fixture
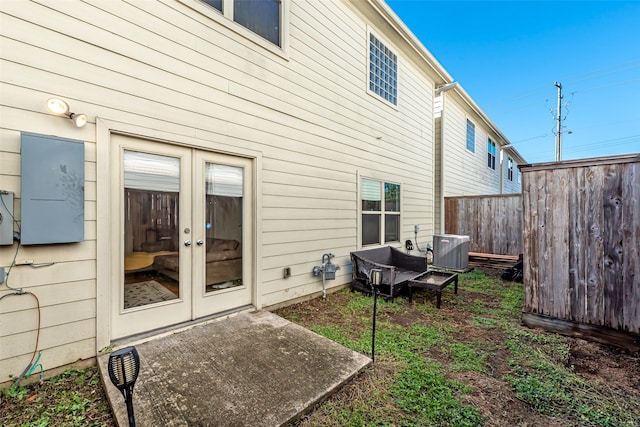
pixel 124 366
pixel 59 107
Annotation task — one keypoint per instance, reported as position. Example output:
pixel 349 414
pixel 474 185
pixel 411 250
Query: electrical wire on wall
pixel 428 250
pixel 33 363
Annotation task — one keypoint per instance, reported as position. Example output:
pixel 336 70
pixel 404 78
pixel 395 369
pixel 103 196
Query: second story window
pixel 383 71
pixel 471 136
pixel 509 169
pixel 491 154
pixel 262 17
pixel 216 4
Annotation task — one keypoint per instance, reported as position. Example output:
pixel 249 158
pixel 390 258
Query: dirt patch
pixel 608 365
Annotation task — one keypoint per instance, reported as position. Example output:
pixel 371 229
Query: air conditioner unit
pixel 451 251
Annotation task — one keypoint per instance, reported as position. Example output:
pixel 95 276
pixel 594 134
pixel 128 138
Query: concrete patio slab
pixel 251 369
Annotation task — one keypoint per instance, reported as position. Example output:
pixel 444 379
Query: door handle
pixel 199 242
pixel 187 242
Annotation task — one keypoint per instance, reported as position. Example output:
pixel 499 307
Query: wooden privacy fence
pixel 582 244
pixel 493 223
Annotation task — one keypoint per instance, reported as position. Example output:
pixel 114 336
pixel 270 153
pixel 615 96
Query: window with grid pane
pixel 383 71
pixel 380 212
pixel 471 136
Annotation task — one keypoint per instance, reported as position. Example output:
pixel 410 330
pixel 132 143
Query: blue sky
pixel 508 54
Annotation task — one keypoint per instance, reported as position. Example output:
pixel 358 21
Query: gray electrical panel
pixel 451 251
pixel 6 218
pixel 52 202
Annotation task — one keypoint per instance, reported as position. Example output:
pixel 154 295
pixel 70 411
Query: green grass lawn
pixel 469 364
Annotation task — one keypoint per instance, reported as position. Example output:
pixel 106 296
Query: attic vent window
pixel 383 71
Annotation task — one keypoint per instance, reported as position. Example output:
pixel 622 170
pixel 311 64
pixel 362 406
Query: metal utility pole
pixel 559 126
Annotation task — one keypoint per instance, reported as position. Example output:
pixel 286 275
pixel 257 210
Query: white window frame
pixel 382 213
pixel 225 18
pixel 466 139
pixel 371 92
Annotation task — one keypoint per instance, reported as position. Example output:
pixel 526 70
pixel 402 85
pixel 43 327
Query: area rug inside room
pixel 147 292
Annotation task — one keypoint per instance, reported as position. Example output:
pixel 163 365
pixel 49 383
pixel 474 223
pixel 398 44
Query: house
pixel 212 160
pixel 472 156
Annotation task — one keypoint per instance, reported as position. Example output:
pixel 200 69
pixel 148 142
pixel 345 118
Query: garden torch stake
pixel 374 281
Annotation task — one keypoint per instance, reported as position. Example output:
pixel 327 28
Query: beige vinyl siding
pixel 466 173
pixel 179 75
pixel 509 187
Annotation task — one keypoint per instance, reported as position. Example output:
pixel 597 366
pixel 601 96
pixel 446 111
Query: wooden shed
pixel 581 233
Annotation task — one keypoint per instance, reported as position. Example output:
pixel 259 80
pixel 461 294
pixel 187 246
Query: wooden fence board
pixel 529 265
pixel 577 241
pixel 613 241
pixel 594 258
pixel 493 223
pixel 545 295
pixel 581 234
pixel 631 256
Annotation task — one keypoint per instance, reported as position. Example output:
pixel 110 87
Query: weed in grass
pixel 483 308
pixel 540 377
pixel 68 399
pixel 15 392
pixel 428 398
pixel 334 333
pixel 467 358
pixel 403 342
pixel 357 304
pixel 477 281
pixel 513 300
pixel 484 322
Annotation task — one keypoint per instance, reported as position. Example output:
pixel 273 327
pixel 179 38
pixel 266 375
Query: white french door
pixel 223 226
pixel 181 233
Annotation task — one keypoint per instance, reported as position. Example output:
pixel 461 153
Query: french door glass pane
pixel 151 206
pixel 223 223
pixel 370 229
